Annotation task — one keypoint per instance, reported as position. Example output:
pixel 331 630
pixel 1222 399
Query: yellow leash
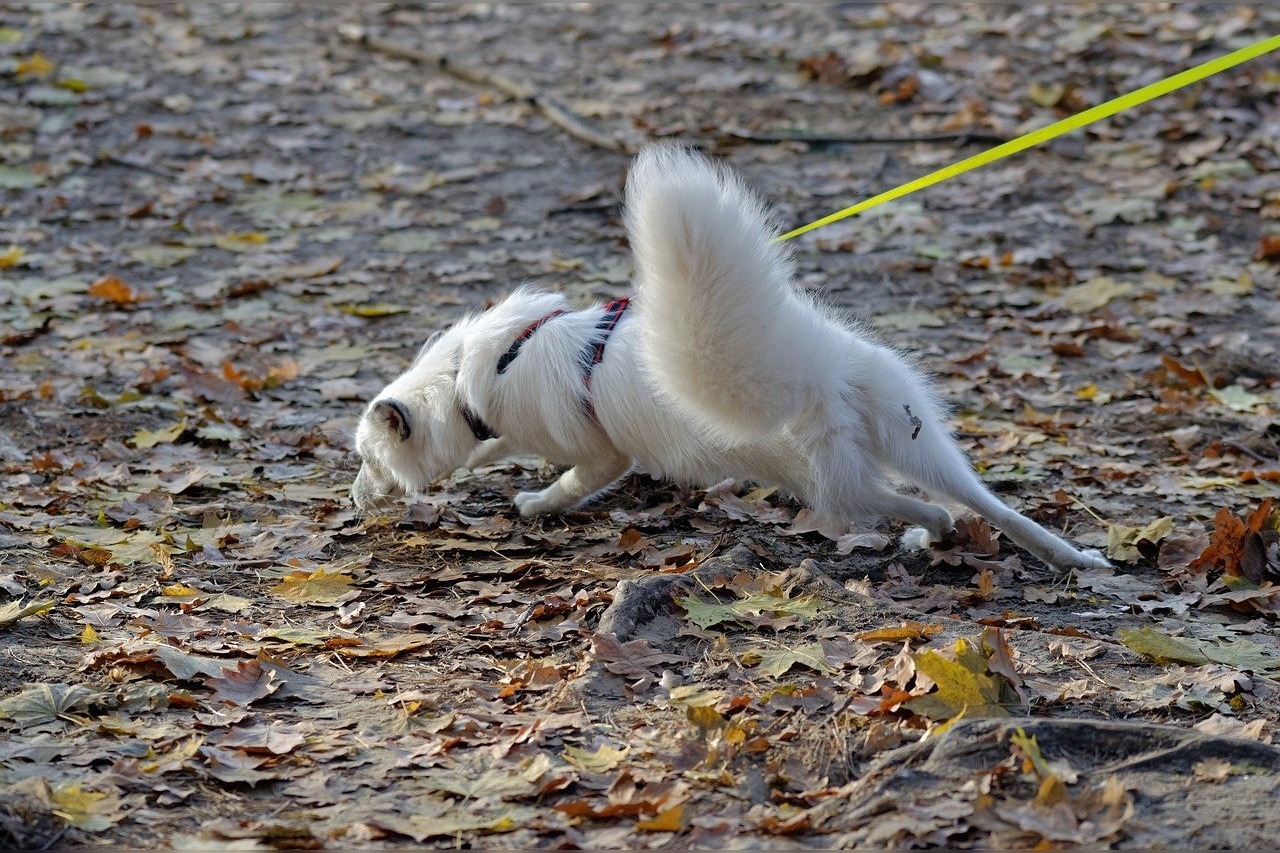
pixel 1058 128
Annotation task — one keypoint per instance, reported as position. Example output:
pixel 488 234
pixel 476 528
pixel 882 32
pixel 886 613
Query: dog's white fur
pixel 721 368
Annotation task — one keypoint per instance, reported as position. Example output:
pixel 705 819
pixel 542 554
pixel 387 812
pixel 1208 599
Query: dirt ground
pixel 223 228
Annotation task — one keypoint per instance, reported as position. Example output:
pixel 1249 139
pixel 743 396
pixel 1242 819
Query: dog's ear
pixel 393 416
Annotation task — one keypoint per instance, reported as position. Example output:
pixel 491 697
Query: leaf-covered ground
pixel 223 228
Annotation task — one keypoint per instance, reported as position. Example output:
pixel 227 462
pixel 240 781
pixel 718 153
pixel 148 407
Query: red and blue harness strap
pixel 510 355
pixel 613 312
pixel 591 356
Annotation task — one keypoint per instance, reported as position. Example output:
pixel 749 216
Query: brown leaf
pixel 635 660
pixel 1227 544
pixel 1000 657
pixel 1193 376
pixel 1268 248
pixel 387 647
pixel 828 68
pixel 246 683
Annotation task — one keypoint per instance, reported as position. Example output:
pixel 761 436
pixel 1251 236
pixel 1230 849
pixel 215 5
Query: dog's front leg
pixel 574 486
pixel 489 452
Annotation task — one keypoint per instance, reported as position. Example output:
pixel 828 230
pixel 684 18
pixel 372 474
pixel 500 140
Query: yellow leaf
pixel 1092 294
pixel 604 758
pixel 113 289
pixel 34 66
pixel 1046 94
pixel 88 636
pixel 13 611
pixel 281 373
pixel 381 309
pixel 704 717
pixel 245 242
pixel 1031 754
pixel 10 257
pixel 693 696
pixel 180 590
pixel 965 685
pixel 910 630
pixel 74 84
pixel 667 820
pixel 145 438
pixel 313 587
pixel 92 811
pixel 1122 541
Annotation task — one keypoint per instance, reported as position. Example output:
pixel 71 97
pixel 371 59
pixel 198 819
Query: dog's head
pixel 414 430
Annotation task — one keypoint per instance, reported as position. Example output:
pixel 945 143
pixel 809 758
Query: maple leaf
pixel 1230 539
pixel 777 662
pixel 965 685
pixel 1214 770
pixel 146 438
pixel 92 811
pixel 1163 648
pixel 755 609
pixel 604 758
pixel 634 660
pixel 272 738
pixel 249 383
pixel 1123 542
pixel 234 765
pixel 1193 376
pixel 43 703
pixel 13 611
pixel 246 683
pixel 384 647
pixel 476 782
pixel 972 542
pixel 316 587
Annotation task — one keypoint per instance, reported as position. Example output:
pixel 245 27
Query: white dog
pixel 719 368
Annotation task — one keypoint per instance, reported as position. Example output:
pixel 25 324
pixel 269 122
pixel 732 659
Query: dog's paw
pixel 1093 559
pixel 530 503
pixel 1067 558
pixel 916 539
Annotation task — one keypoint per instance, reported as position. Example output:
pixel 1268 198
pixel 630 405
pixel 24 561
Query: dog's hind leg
pixel 847 485
pixel 917 444
pixel 574 486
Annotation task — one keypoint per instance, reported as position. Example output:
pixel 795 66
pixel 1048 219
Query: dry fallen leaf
pixel 113 289
pixel 314 587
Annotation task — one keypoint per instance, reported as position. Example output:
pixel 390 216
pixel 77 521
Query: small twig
pixel 555 112
pixel 1252 454
pixel 968 137
pixel 1084 507
pixel 115 160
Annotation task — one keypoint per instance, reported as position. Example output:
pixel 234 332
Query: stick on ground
pixel 555 111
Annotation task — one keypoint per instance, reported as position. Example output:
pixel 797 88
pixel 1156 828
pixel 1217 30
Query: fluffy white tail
pixel 726 334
